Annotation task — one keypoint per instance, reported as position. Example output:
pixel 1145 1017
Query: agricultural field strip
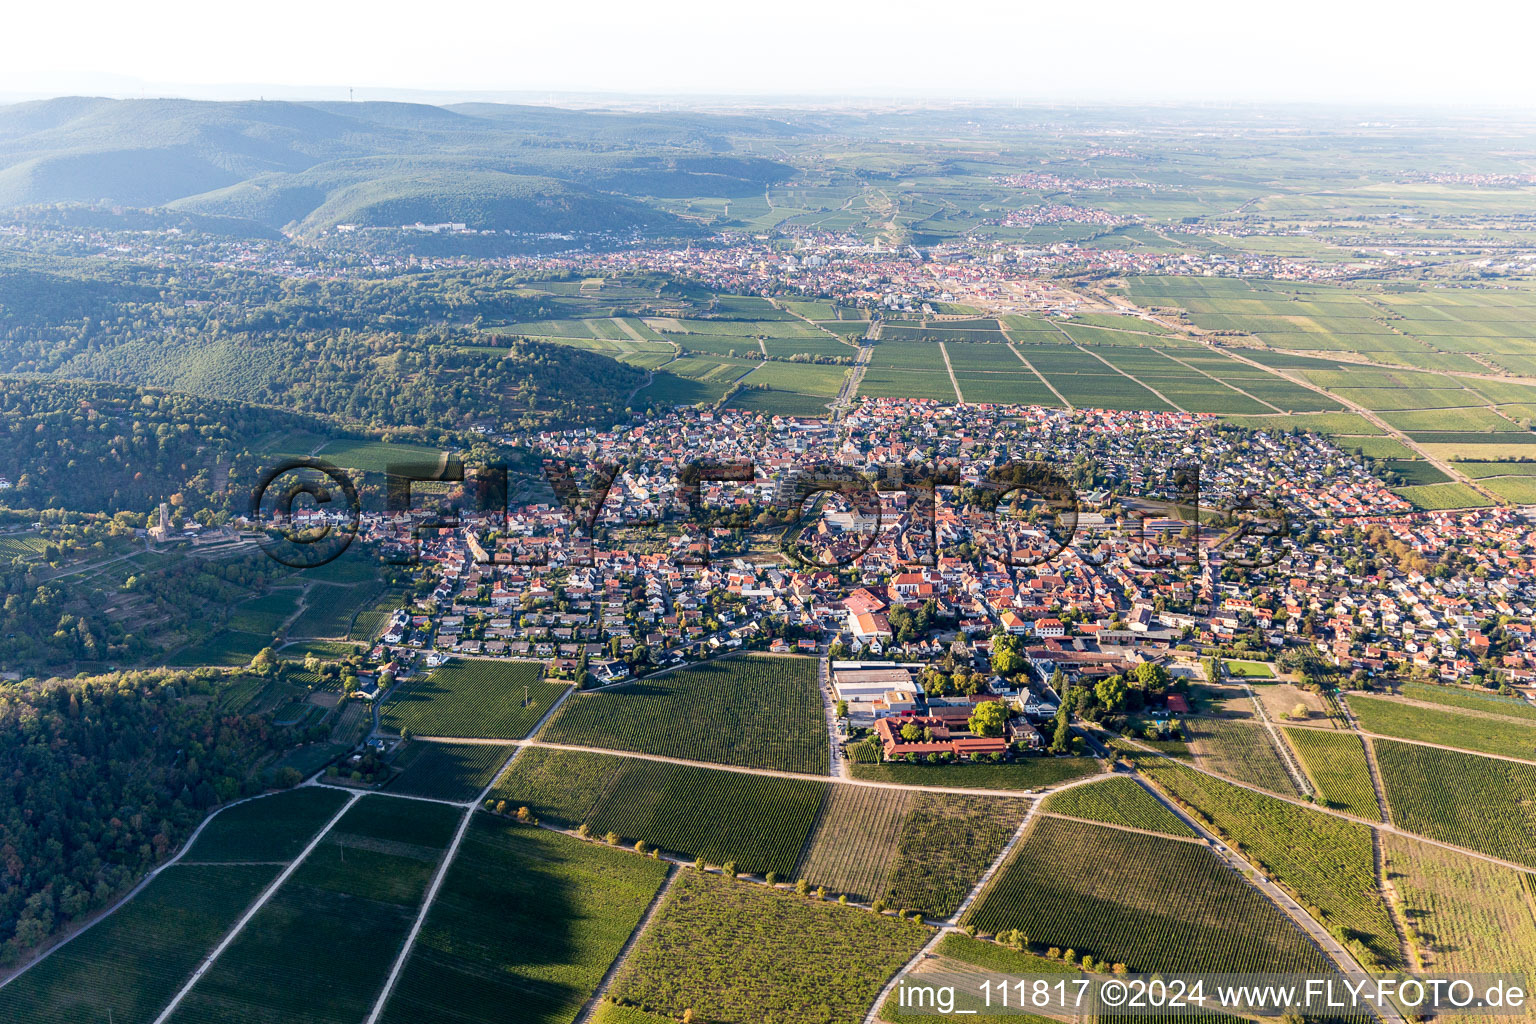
pixel 1383 826
pixel 421 914
pixel 1218 380
pixel 1031 367
pixel 1371 416
pixel 253 910
pixel 959 395
pixel 1319 936
pixel 1447 746
pixel 1122 828
pixel 1130 378
pixel 1492 711
pixel 1377 783
pixel 800 776
pixel 873 1016
pixel 122 901
pixel 1292 767
pixel 598 993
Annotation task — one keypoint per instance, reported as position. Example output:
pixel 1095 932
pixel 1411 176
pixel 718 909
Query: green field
pixel 1167 905
pixel 920 851
pixel 447 771
pixel 270 828
pixel 227 647
pixel 1335 762
pixel 853 846
pixel 754 711
pixel 1471 700
pixel 737 953
pixel 1328 862
pixel 1479 803
pixel 774 402
pixel 1023 774
pixel 132 963
pixel 668 389
pixel 1117 801
pixel 1465 914
pixel 264 614
pixel 1241 750
pixel 1435 497
pixel 359 889
pixel 472 699
pixel 759 822
pixel 562 786
pixel 525 925
pixel 1519 490
pixel 1248 669
pixel 329 609
pixel 377 456
pixel 1451 728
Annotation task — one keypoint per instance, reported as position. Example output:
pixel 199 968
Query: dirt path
pixel 778 774
pixel 252 911
pixel 1390 900
pixel 959 396
pixel 1293 769
pixel 850 389
pixel 596 999
pixel 1383 826
pixel 1171 403
pixel 421 915
pixel 1059 396
pixel 839 764
pixel 1319 935
pixel 1373 417
pixel 1226 384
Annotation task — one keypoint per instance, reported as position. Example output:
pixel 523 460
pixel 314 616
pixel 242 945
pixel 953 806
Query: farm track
pixel 959 395
pixel 806 777
pixel 1383 826
pixel 596 998
pixel 839 763
pixel 1390 900
pixel 1031 367
pixel 252 911
pixel 855 377
pixel 421 915
pixel 1293 769
pixel 1171 403
pixel 1277 895
pixel 447 862
pixel 1370 415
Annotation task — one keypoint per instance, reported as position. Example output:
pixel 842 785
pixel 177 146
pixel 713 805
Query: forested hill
pixel 405 352
pixel 310 166
pixel 95 447
pixel 101 779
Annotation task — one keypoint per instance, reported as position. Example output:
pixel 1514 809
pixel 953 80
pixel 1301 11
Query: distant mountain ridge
pixel 306 167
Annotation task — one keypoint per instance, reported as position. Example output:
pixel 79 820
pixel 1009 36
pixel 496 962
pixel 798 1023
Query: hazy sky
pixel 1119 50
